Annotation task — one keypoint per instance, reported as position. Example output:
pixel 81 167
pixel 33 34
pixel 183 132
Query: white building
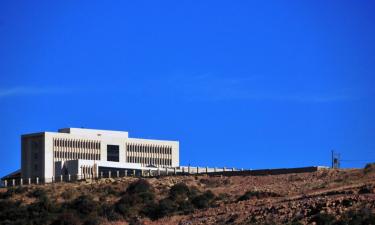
pixel 77 151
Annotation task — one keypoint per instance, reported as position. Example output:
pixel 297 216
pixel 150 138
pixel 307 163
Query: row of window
pixel 149 149
pixel 76 155
pixel 149 161
pixel 70 143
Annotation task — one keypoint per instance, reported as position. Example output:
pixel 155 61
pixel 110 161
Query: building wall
pixel 32 155
pixel 87 144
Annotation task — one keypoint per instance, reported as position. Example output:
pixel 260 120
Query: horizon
pixel 247 84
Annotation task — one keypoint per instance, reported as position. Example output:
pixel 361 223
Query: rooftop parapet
pixel 94 132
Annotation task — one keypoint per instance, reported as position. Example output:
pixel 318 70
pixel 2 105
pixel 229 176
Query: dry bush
pixel 369 168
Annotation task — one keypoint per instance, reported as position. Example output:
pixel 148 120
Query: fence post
pixel 166 171
pixel 158 171
pixel 118 174
pixel 109 174
pixel 174 171
pixel 37 180
pixel 126 173
pixel 101 174
pixel 5 183
pixel 69 178
pixel 134 173
pixel 188 169
pixel 13 182
pixel 21 181
pixel 61 178
pixel 29 180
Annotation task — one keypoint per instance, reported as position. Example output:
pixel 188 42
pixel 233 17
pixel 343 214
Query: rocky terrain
pixel 344 196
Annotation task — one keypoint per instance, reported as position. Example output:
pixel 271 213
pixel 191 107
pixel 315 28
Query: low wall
pixel 264 172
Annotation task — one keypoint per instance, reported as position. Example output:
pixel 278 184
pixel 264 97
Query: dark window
pixel 113 153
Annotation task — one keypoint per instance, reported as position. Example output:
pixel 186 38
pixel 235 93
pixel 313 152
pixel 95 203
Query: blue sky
pixel 252 84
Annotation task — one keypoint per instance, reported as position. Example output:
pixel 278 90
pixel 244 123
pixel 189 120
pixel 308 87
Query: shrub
pixel 42 211
pixel 257 194
pixel 108 211
pixel 138 197
pixel 139 186
pixel 11 211
pixel 323 219
pixel 370 167
pixel 66 219
pixel 179 192
pixel 84 204
pixel 165 207
pixel 109 190
pixel 37 193
pixel 364 216
pixel 9 193
pixel 204 200
pixel 93 221
pixel 186 207
pixel 20 189
pixel 68 194
pixel 366 189
pixel 12 191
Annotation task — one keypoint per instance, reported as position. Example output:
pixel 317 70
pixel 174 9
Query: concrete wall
pixel 51 152
pixel 32 155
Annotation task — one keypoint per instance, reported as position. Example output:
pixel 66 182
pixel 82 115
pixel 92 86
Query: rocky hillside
pixel 323 197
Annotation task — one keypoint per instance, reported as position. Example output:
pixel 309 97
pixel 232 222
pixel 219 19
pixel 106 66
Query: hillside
pixel 323 197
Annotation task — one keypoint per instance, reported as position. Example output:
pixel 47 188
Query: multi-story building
pixel 78 151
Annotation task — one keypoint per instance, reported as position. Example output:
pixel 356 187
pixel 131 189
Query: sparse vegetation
pixel 205 200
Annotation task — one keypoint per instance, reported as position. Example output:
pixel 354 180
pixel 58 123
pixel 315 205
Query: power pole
pixel 335 157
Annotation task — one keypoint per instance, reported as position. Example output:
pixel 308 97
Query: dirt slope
pixel 280 199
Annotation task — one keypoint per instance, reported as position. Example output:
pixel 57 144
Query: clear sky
pixel 252 84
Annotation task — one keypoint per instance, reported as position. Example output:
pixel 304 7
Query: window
pixel 113 153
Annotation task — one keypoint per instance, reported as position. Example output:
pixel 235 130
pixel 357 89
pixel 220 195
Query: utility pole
pixel 335 157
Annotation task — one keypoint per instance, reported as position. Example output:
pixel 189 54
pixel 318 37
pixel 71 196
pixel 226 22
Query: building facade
pixel 78 151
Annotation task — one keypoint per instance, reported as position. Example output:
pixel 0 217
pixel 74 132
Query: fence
pixel 157 173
